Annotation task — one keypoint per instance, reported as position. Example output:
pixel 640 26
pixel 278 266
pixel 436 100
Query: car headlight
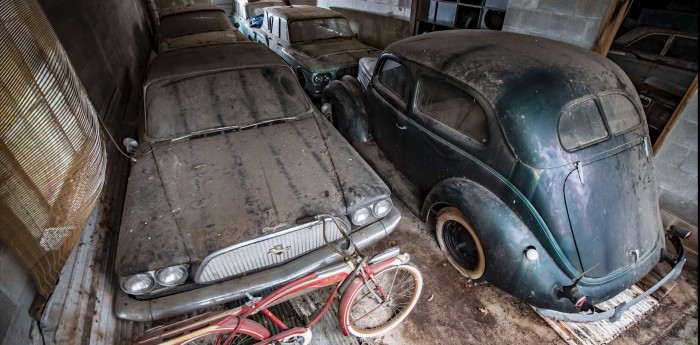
pixel 382 208
pixel 361 216
pixel 321 78
pixel 170 276
pixel 138 284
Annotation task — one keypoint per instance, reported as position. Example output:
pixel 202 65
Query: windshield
pixel 189 23
pixel 239 97
pixel 319 29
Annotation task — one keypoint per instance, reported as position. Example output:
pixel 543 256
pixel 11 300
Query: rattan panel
pixel 52 157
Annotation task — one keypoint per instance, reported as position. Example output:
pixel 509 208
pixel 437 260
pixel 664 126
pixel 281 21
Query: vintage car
pixel 247 17
pixel 661 64
pixel 223 196
pixel 194 24
pixel 317 42
pixel 530 155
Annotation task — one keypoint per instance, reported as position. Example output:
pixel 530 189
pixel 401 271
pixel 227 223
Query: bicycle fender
pixel 345 301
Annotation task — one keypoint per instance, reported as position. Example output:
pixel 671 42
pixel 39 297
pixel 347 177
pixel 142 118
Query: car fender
pixel 348 108
pixel 505 238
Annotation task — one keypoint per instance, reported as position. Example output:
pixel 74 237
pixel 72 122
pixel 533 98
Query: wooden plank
pixel 603 332
pixel 611 23
pixel 676 114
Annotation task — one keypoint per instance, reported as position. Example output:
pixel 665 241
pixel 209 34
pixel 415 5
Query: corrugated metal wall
pixel 52 157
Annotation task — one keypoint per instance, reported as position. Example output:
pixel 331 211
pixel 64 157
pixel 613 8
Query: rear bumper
pixel 131 309
pixel 613 315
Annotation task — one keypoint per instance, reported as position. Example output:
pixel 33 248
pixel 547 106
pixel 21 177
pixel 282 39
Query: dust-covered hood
pixel 325 55
pixel 188 199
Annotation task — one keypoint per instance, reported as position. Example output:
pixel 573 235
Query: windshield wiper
pixel 234 127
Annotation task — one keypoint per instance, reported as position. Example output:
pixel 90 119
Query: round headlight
pixel 318 79
pixel 361 216
pixel 138 284
pixel 170 276
pixel 382 208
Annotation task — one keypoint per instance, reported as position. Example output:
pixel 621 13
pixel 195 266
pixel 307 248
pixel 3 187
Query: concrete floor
pixel 453 311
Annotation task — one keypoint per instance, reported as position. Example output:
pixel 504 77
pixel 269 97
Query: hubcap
pixel 460 244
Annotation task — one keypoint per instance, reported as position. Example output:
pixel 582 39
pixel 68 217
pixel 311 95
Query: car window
pixel 580 124
pixel 284 34
pixel 223 98
pixel 620 112
pixel 275 27
pixel 652 44
pixel 452 107
pixel 684 48
pixel 397 78
pixel 319 29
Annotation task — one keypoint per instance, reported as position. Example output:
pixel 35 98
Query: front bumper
pixel 131 309
pixel 613 315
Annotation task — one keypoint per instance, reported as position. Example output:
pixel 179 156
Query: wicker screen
pixel 52 158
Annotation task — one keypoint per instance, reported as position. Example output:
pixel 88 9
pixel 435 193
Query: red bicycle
pixel 375 296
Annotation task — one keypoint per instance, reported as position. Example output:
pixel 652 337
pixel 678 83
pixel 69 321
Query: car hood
pixel 326 55
pixel 188 199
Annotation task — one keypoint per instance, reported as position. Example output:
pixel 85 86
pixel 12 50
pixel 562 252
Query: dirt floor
pixel 453 311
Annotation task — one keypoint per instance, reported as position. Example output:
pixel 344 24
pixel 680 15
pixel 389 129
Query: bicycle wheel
pixel 365 317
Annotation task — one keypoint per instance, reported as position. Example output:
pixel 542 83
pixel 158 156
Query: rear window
pixel 188 23
pixel 581 124
pixel 620 112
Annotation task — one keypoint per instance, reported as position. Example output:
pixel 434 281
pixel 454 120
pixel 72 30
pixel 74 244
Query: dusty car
pixel 194 24
pixel 247 17
pixel 317 42
pixel 530 155
pixel 223 197
pixel 661 64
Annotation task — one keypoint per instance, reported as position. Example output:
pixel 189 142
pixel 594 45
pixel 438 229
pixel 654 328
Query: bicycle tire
pixel 404 287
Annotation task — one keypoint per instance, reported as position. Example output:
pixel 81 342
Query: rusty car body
pixel 318 43
pixel 223 197
pixel 531 156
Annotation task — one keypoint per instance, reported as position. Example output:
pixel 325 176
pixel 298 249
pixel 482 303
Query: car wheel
pixel 460 243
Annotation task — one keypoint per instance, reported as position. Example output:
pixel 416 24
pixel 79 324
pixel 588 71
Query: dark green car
pixel 530 155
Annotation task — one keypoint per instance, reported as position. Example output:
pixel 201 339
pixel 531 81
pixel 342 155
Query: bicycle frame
pixel 231 320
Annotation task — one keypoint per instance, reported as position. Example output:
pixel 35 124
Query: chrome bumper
pixel 131 309
pixel 613 315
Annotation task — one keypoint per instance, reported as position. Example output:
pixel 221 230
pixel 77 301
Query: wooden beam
pixel 617 11
pixel 676 114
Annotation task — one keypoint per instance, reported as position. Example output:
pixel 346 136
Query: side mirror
pixel 130 144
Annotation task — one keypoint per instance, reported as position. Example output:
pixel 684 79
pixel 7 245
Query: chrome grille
pixel 265 252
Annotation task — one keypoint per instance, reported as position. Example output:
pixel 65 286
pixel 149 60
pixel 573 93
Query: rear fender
pixel 348 108
pixel 505 238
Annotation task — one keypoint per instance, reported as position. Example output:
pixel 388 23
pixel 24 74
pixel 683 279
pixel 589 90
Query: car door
pixel 448 133
pixel 387 98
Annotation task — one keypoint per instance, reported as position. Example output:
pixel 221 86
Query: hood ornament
pixel 278 250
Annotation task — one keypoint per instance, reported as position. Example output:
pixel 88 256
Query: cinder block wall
pixel 676 165
pixel 377 22
pixel 577 22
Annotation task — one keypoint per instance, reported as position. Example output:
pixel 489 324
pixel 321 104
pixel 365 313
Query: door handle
pixel 403 128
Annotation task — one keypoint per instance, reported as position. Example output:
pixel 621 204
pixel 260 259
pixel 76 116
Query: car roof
pixel 640 31
pixel 210 58
pixel 527 80
pixel 302 12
